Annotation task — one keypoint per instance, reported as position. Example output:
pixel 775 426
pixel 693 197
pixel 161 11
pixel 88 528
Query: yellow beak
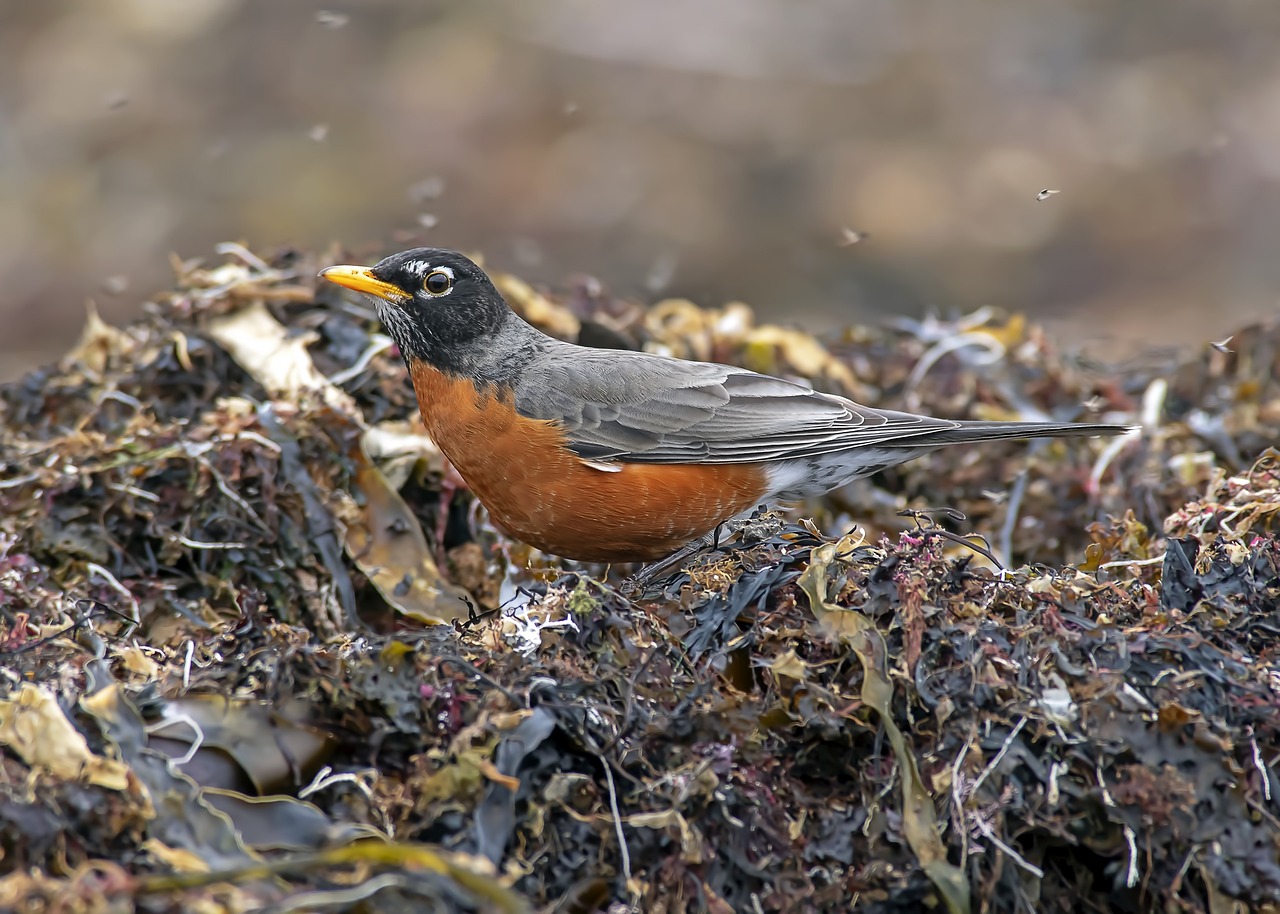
pixel 362 280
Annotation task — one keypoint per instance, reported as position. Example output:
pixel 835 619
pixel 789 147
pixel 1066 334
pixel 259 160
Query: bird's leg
pixel 636 584
pixel 654 570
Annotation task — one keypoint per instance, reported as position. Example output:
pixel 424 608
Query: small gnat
pixel 1223 345
pixel 426 189
pixel 661 272
pixel 331 19
pixel 1047 193
pixel 850 237
pixel 527 252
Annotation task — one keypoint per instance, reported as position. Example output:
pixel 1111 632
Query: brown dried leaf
pixel 384 538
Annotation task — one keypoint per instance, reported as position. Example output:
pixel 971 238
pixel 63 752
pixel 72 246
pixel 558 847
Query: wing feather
pixel 637 407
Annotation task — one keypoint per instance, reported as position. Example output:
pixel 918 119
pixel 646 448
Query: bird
pixel 616 456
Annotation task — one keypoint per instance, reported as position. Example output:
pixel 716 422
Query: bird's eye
pixel 437 282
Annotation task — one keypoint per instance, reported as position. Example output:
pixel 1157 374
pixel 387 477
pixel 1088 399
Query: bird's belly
pixel 540 492
pixel 640 513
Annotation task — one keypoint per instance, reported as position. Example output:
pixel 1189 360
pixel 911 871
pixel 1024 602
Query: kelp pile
pixel 260 652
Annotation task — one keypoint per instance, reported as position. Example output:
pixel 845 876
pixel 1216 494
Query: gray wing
pixel 617 405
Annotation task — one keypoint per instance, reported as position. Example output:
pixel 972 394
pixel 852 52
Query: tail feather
pixel 970 431
pixel 810 476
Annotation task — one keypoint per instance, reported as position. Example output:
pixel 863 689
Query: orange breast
pixel 541 493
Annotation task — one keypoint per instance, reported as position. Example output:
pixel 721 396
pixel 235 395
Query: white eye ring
pixel 438 282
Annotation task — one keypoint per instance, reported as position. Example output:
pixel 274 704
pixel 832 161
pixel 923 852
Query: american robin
pixel 612 456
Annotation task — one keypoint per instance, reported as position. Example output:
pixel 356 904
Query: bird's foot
pixel 654 571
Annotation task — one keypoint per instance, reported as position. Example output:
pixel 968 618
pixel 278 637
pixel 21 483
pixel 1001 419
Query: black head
pixel 436 304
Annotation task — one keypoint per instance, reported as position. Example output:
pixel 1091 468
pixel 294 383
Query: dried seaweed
pixel 259 654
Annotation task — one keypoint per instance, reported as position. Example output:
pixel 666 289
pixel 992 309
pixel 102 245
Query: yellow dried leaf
pixel 919 820
pixel 136 661
pixel 33 725
pixel 799 352
pixel 690 845
pixel 98 343
pixel 276 357
pixel 536 308
pixel 182 861
pixel 790 665
pixel 400 447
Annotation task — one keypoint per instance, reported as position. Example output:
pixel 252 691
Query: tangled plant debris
pixel 261 652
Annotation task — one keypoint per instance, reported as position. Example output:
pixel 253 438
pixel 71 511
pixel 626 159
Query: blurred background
pixel 827 161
